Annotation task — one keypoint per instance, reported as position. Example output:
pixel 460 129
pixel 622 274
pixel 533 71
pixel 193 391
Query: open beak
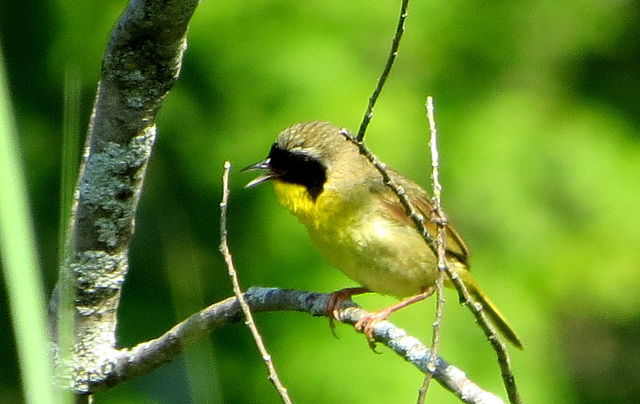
pixel 268 175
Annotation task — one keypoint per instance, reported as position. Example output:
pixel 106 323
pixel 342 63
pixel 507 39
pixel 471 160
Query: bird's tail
pixel 490 309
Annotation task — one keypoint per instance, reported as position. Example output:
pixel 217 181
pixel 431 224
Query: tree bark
pixel 141 62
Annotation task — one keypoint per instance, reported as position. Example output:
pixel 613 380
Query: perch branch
pixel 148 356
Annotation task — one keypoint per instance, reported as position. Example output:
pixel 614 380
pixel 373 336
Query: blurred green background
pixel 538 111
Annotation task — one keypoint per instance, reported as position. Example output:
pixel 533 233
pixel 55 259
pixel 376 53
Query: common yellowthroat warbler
pixel 359 224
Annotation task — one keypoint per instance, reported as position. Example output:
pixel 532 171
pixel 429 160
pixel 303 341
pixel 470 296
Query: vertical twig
pixel 440 241
pixel 237 290
pixel 385 73
pixel 441 222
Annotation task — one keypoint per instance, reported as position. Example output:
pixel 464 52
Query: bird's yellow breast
pixel 328 208
pixel 352 233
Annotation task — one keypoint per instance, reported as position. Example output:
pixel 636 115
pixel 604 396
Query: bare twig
pixel 237 290
pixel 441 238
pixel 441 222
pixel 385 73
pixel 418 219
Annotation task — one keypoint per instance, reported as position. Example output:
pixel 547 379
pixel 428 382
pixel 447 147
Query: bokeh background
pixel 538 111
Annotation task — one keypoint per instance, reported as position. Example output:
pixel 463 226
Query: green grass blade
pixel 20 264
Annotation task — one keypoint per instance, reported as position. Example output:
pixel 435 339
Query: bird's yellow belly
pixel 368 252
pixel 384 255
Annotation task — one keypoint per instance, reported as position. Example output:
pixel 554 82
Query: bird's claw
pixel 367 322
pixel 332 310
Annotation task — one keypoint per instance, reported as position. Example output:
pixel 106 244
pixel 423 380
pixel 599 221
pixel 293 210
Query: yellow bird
pixel 359 224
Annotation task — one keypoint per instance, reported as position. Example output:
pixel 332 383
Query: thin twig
pixel 441 222
pixel 443 266
pixel 490 333
pixel 237 290
pixel 385 73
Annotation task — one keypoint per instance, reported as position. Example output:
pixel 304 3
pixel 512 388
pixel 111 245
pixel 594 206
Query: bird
pixel 360 226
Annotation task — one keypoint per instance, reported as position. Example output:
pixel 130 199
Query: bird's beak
pixel 263 165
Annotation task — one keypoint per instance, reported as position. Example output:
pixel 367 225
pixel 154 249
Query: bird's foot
pixel 335 300
pixel 367 322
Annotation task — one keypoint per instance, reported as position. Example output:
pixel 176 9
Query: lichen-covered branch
pixel 141 63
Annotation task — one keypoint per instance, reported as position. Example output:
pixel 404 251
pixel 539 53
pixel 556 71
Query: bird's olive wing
pixel 422 203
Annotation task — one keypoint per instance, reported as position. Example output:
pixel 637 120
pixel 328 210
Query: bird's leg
pixel 335 299
pixel 368 321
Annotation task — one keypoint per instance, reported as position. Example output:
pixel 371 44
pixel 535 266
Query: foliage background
pixel 537 105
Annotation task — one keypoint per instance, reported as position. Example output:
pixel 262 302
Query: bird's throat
pixel 312 212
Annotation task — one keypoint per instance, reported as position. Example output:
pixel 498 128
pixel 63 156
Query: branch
pixel 141 63
pixel 146 357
